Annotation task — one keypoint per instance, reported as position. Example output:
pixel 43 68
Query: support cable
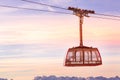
pixel 105 18
pixel 34 2
pixel 35 9
pixel 107 15
pixel 117 17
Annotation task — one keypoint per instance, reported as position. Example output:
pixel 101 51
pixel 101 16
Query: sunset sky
pixel 35 43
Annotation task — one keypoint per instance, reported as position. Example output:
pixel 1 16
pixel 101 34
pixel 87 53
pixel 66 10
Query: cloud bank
pixel 75 78
pixel 3 79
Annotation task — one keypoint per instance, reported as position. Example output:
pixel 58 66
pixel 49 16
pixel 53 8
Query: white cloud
pixel 7 10
pixel 51 9
pixel 60 1
pixel 33 6
pixel 52 77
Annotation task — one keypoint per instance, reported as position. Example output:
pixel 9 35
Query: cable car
pixel 82 55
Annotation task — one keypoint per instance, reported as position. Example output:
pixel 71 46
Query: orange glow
pixel 31 67
pixel 63 32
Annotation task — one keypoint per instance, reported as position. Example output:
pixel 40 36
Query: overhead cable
pixel 44 4
pixel 105 18
pixel 34 9
pixel 108 15
pixel 55 12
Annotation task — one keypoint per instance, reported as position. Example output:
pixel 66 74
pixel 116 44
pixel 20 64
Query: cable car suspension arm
pixel 81 13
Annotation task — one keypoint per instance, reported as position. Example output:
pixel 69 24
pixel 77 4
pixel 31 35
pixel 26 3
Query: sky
pixel 35 43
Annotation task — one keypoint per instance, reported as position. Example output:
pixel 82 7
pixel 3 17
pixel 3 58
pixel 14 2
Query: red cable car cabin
pixel 83 56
